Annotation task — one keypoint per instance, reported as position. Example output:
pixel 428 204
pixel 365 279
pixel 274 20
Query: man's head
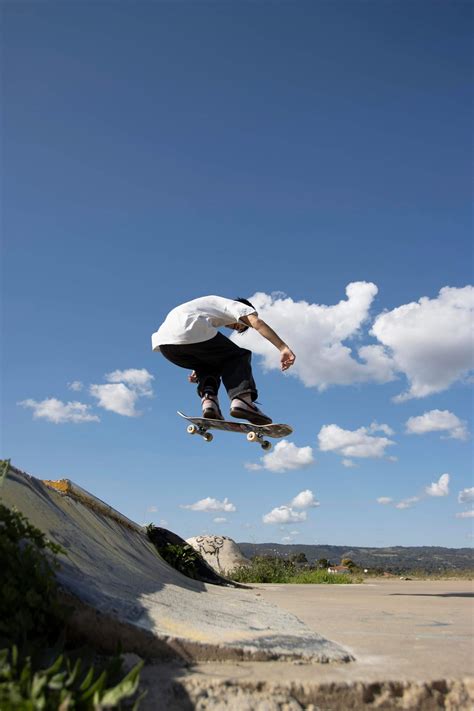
pixel 239 326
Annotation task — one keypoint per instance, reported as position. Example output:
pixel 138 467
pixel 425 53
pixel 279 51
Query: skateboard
pixel 255 433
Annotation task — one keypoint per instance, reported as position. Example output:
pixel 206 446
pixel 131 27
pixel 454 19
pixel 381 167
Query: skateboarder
pixel 189 337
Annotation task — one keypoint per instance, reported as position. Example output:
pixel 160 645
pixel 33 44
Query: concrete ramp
pixel 123 591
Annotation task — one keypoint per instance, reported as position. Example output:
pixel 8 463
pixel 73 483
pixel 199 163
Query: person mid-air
pixel 189 338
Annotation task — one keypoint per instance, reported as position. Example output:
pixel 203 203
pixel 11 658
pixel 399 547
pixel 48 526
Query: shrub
pixel 30 610
pixel 63 685
pixel 183 558
pixel 180 556
pixel 264 569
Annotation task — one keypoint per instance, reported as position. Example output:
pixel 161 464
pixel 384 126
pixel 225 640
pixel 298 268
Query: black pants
pixel 213 360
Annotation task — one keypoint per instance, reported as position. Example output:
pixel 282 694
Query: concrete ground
pixel 413 629
pixel 412 642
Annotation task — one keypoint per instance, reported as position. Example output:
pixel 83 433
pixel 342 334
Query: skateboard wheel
pixel 252 437
pixel 192 429
pixel 266 445
pixel 208 437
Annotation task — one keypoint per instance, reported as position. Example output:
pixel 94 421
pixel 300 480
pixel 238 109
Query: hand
pixel 287 358
pixel 193 377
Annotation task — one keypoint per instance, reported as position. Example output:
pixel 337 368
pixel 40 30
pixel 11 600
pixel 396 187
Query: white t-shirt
pixel 198 320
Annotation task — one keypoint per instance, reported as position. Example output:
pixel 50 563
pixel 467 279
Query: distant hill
pixel 396 559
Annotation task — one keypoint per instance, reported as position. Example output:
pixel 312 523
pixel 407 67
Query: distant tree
pixel 298 558
pixel 323 563
pixel 348 563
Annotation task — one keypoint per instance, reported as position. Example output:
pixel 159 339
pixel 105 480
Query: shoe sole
pixel 211 415
pixel 252 417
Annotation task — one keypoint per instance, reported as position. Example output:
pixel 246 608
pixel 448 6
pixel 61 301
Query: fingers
pixel 287 360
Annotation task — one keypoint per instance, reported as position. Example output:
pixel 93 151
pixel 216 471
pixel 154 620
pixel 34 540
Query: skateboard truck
pixel 196 429
pixel 256 437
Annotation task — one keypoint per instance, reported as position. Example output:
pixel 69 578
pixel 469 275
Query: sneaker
pixel 244 410
pixel 210 407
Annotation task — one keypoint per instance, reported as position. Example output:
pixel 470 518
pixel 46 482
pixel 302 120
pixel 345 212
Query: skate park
pixel 385 644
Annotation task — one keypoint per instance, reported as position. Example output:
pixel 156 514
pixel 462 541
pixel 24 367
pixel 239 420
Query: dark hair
pixel 247 303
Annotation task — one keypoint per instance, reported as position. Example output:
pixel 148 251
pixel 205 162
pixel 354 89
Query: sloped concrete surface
pixel 123 591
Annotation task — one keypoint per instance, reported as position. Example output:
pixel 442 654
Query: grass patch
pixel 266 569
pixel 322 577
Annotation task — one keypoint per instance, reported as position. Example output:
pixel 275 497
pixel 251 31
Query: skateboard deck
pixel 255 433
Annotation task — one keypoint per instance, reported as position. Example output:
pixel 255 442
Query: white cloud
pixel 284 515
pixel 349 464
pixel 219 519
pixel 304 500
pixel 152 509
pixel 430 340
pixel 376 427
pixel 408 339
pixel 438 421
pixel 407 503
pixel 76 385
pixel 466 496
pixel 287 514
pixel 122 391
pixel 285 457
pixel 440 487
pixel 139 379
pixel 465 514
pixel 210 504
pixel 251 466
pixel 353 443
pixel 116 398
pixel 437 488
pixel 58 412
pixel 316 333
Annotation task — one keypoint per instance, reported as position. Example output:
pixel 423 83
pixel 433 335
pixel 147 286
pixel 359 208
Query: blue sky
pixel 155 152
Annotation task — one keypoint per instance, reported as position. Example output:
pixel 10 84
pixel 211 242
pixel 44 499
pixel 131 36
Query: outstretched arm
pixel 287 357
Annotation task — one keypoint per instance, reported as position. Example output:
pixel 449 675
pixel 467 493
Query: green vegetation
pixel 38 671
pixel 31 615
pixel 264 569
pixel 63 685
pixel 322 576
pixel 182 557
pixel 269 569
